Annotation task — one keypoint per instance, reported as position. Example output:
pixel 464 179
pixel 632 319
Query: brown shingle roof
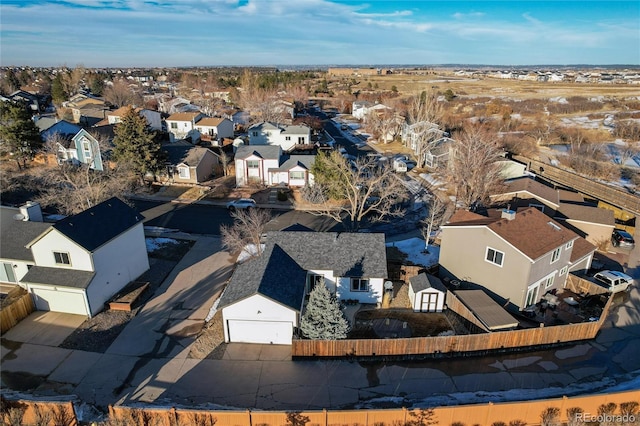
pixel 581 248
pixel 183 116
pixel 534 188
pixel 532 232
pixel 587 214
pixel 210 121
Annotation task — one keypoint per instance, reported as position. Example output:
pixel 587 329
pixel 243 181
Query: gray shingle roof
pixel 262 151
pixel 305 161
pixel 185 153
pixel 274 274
pixel 347 254
pixel 424 281
pixel 60 277
pixel 95 226
pixel 16 234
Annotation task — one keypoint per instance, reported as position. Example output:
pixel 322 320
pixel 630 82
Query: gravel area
pixel 210 342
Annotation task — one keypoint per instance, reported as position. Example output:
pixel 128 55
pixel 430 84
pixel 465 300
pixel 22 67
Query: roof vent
pixel 554 226
pixel 508 214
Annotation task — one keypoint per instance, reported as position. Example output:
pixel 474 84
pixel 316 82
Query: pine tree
pixel 323 320
pixel 58 94
pixel 19 135
pixel 135 143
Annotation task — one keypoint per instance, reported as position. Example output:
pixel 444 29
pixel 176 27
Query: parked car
pixel 614 281
pixel 241 203
pixel 621 238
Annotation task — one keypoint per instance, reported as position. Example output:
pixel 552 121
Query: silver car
pixel 241 203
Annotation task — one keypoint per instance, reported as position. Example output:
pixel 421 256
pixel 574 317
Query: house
pixel 84 149
pixel 50 126
pixel 439 153
pixel 215 129
pixel 360 109
pixel 189 163
pixel 593 223
pixel 78 263
pixel 516 256
pixel 88 111
pixel 268 165
pixel 154 118
pixel 183 124
pixel 35 103
pixel 287 137
pixel 426 293
pixel 414 134
pixel 264 299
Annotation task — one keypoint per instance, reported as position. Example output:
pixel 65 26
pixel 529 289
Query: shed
pixel 492 315
pixel 426 293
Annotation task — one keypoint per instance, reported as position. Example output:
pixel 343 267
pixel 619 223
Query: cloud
pixel 459 15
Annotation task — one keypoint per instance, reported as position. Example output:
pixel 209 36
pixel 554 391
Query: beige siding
pixel 595 233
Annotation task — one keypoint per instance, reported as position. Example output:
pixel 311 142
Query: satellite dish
pixel 19 216
pixel 388 285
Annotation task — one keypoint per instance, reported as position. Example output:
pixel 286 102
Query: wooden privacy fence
pixel 451 345
pixel 478 414
pixel 15 307
pixel 580 285
pixel 42 413
pixel 587 186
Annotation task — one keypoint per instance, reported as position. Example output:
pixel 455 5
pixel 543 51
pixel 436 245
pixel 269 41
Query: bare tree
pixel 627 151
pixel 384 124
pixel 574 416
pixel 550 416
pixel 246 230
pixel 119 94
pixel 348 192
pixel 424 107
pixel 72 189
pixel 423 137
pixel 437 215
pixel 422 113
pixel 473 169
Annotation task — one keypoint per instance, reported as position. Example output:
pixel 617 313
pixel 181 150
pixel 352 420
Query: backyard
pixel 398 323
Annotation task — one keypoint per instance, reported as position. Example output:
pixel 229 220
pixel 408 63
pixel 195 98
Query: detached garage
pixel 426 293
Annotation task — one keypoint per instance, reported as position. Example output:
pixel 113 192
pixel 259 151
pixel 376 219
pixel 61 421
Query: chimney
pixel 31 211
pixel 508 214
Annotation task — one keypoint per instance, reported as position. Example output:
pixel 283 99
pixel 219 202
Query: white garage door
pixel 59 300
pixel 266 332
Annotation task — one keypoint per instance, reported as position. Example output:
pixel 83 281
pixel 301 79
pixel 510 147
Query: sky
pixel 154 33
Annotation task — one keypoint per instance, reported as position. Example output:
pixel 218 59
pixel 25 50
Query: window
pixel 359 284
pixel 296 175
pixel 563 271
pixel 183 172
pixel 287 138
pixel 494 256
pixel 86 147
pixel 313 280
pixel 253 164
pixel 555 255
pixel 174 125
pixel 254 134
pixel 548 282
pixel 62 258
pixel 569 245
pixel 6 273
pixel 301 139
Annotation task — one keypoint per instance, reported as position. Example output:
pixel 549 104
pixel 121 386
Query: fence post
pixel 326 416
pixel 249 417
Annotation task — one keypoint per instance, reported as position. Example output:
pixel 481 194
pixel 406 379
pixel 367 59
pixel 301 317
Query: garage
pixel 59 299
pixel 264 332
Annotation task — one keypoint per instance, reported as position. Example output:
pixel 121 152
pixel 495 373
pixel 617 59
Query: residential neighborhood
pixel 311 250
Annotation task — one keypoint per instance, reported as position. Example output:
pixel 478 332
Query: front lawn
pixel 390 323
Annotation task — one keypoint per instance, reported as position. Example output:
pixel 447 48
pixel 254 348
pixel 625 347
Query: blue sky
pixel 98 33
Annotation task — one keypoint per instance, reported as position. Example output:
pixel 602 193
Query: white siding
pixel 117 263
pixel 54 241
pixel 420 300
pixel 59 299
pixel 258 309
pixel 374 295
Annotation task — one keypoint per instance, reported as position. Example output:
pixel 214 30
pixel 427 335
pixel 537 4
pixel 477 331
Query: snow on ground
pixel 433 181
pixel 248 252
pixel 154 244
pixel 414 249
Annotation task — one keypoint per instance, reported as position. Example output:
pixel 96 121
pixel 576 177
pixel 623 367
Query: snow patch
pixel 414 248
pixel 154 244
pixel 248 252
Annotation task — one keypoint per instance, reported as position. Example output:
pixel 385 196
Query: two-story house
pixel 154 118
pixel 78 263
pixel 518 257
pixel 84 149
pixel 360 109
pixel 287 137
pixel 215 129
pixel 183 124
pixel 269 165
pixel 264 299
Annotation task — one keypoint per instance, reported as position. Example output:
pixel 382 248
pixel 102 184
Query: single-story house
pixel 264 300
pixel 427 293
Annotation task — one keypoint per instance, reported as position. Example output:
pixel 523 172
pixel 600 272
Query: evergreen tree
pixel 323 320
pixel 58 94
pixel 135 143
pixel 19 135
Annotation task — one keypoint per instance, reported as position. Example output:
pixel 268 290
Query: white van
pixel 614 281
